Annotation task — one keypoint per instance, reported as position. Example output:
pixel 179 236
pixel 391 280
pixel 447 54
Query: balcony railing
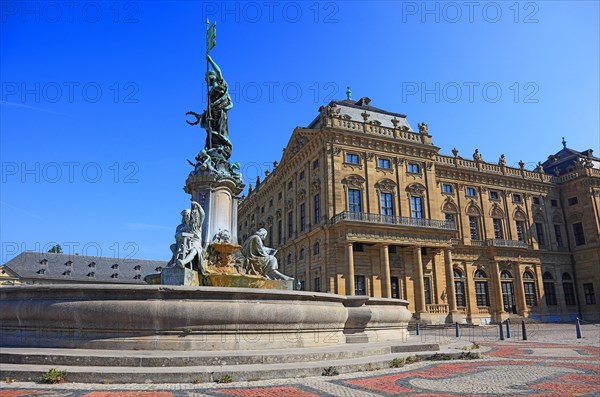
pixel 437 309
pixel 393 220
pixel 507 243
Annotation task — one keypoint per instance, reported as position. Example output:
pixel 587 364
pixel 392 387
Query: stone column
pixel 520 291
pixel 450 290
pixel 350 271
pixel 419 283
pixel 499 308
pixel 386 285
pixel 539 287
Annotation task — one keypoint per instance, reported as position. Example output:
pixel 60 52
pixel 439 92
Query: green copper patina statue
pixel 214 157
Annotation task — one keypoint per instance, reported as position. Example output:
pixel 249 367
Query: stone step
pixel 212 373
pixel 133 358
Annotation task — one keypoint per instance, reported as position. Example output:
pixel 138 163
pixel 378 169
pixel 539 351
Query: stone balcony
pixel 493 243
pixel 393 220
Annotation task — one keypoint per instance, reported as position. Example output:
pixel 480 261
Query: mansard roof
pixel 77 268
pixel 354 110
pixel 566 160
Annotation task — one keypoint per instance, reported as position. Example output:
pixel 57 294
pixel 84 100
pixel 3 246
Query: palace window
pixel 520 225
pixel 358 247
pixel 516 198
pixel 290 224
pixel 568 289
pixel 427 289
pixel 459 288
pixel 572 200
pixel 302 216
pixel 446 188
pixel 317 209
pixel 529 288
pixel 316 164
pixel 416 208
pixel 352 158
pixel 354 201
pixel 535 200
pixel 384 163
pixel 449 217
pixel 360 287
pixel 539 229
pixel 558 235
pixel 270 235
pixel 414 168
pixel 317 284
pixel 290 184
pixel 549 289
pixel 301 254
pixel 316 249
pixel 554 203
pixel 387 207
pixel 481 289
pixel 301 175
pixel 493 195
pixel 289 259
pixel 498 228
pixel 578 233
pixel 279 232
pixel 470 191
pixel 474 227
pixel 588 292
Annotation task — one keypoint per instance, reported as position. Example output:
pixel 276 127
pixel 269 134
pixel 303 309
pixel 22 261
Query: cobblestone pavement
pixel 552 362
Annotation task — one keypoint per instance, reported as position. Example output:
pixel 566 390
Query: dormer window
pixel 158 269
pixel 138 268
pixel 41 271
pixel 137 276
pixel 67 273
pixel 44 262
pixel 92 265
pixel 91 274
pixel 68 263
pixel 114 275
pixel 115 266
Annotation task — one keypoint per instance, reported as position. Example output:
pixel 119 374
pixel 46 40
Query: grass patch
pixel 398 362
pixel 330 371
pixel 224 379
pixel 440 357
pixel 53 376
pixel 411 359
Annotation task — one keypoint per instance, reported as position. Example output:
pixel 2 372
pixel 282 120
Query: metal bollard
pixel 524 330
pixel 501 330
pixel 457 330
pixel 418 329
pixel 507 329
pixel 578 329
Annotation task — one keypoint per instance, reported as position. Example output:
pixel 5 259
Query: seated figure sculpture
pixel 187 250
pixel 260 260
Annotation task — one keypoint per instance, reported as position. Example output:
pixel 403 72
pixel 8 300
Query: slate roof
pixel 76 268
pixel 565 160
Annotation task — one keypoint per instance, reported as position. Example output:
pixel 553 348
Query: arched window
pixel 569 289
pixel 529 288
pixel 549 289
pixel 505 274
pixel 481 288
pixel 459 288
pixel 317 248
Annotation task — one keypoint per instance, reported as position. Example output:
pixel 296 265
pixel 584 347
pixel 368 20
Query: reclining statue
pixel 260 260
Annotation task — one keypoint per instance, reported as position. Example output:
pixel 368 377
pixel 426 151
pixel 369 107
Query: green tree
pixel 57 249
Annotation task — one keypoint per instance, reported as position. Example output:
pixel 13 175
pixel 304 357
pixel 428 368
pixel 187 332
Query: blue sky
pixel 93 135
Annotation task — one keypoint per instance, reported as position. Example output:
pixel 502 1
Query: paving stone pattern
pixel 552 362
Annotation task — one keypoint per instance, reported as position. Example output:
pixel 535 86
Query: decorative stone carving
pixel 449 207
pixel 539 168
pixel 496 212
pixel 477 156
pixel 423 128
pixel 575 217
pixel 301 195
pixel 556 218
pixel 519 215
pixel 354 181
pixel 315 186
pixel 502 160
pixel 455 152
pixel 278 214
pixel 289 204
pixel 416 189
pixel 386 185
pixel 521 164
pixel 395 122
pixel 365 115
pixel 473 209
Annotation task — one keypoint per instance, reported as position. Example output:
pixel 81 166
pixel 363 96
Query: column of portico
pixel 450 288
pixel 386 286
pixel 350 288
pixel 539 288
pixel 499 304
pixel 419 283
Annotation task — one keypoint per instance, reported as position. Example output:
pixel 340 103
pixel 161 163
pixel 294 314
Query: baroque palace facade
pixel 361 204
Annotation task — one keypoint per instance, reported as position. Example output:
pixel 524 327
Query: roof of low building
pixel 77 268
